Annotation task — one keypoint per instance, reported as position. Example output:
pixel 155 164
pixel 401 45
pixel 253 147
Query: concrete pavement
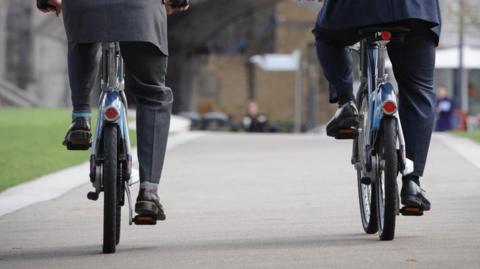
pixel 257 201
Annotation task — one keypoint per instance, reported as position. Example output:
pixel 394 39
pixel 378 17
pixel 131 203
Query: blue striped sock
pixel 81 113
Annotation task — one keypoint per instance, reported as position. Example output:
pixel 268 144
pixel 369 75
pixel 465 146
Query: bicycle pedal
pixel 77 146
pixel 145 220
pixel 411 211
pixel 346 134
pixel 78 141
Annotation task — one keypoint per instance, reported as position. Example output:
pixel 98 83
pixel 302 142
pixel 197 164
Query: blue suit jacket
pixel 344 14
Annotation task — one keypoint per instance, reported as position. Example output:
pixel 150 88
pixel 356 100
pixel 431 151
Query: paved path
pixel 239 201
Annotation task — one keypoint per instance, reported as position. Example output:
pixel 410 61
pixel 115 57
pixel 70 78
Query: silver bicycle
pixel 111 157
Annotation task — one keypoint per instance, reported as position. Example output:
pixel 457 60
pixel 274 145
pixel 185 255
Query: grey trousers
pixel 145 71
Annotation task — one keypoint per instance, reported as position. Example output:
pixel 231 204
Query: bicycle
pixel 111 153
pixel 379 147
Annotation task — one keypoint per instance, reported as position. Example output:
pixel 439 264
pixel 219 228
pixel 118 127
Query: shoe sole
pixel 146 208
pixel 411 202
pixel 78 140
pixel 345 128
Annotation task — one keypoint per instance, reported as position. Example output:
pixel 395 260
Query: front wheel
pixel 110 179
pixel 386 185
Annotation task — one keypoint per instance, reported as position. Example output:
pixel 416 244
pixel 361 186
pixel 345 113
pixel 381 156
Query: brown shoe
pixel 148 202
pixel 78 136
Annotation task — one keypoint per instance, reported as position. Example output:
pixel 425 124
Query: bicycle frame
pixel 112 110
pixel 378 91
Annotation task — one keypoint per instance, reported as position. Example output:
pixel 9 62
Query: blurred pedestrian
pixel 444 109
pixel 253 121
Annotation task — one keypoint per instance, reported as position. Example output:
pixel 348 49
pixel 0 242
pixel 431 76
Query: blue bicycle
pixel 379 147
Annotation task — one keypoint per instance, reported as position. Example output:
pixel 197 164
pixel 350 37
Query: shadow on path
pixel 93 251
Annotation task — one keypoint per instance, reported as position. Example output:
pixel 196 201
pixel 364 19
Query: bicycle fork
pixel 112 111
pixel 386 105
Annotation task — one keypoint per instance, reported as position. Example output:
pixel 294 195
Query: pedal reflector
pixel 411 211
pixel 350 133
pixel 145 220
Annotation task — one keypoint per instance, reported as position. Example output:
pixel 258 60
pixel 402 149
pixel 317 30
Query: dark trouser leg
pixel 336 61
pixel 146 68
pixel 413 65
pixel 83 60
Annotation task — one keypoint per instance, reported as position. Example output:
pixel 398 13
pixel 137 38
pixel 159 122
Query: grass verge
pixel 30 144
pixel 474 135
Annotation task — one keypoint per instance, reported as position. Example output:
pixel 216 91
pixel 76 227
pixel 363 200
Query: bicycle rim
pixel 110 172
pixel 386 189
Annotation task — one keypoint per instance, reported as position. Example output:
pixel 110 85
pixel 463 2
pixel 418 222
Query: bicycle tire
pixel 110 179
pixel 120 198
pixel 387 188
pixel 366 192
pixel 118 219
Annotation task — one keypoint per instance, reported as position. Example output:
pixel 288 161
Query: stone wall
pixel 33 52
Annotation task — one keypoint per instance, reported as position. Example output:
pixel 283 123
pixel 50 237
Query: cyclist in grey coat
pixel 141 29
pixel 413 65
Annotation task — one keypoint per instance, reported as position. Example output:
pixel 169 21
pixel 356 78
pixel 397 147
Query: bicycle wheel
pixel 110 180
pixel 387 189
pixel 366 192
pixel 118 215
pixel 120 200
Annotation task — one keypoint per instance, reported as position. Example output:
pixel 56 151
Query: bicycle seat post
pixel 110 66
pixel 382 75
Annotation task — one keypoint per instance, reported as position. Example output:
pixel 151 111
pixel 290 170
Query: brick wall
pixel 274 91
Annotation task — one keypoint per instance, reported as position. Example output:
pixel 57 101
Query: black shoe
pixel 413 197
pixel 78 136
pixel 148 203
pixel 345 122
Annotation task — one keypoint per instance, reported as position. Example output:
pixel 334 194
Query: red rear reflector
pixel 386 35
pixel 111 114
pixel 389 107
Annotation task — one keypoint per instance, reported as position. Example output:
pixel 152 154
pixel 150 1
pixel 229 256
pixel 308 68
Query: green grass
pixel 474 135
pixel 30 144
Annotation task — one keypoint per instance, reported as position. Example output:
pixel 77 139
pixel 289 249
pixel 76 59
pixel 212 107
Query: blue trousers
pixel 413 65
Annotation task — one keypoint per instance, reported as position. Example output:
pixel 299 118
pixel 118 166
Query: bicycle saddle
pixel 398 32
pixel 391 29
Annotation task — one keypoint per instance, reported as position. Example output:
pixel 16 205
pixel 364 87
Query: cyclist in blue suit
pixel 413 65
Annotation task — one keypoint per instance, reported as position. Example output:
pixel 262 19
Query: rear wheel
pixel 118 217
pixel 110 181
pixel 368 211
pixel 366 190
pixel 386 185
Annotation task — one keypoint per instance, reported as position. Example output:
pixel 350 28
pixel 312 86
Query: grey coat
pixel 88 21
